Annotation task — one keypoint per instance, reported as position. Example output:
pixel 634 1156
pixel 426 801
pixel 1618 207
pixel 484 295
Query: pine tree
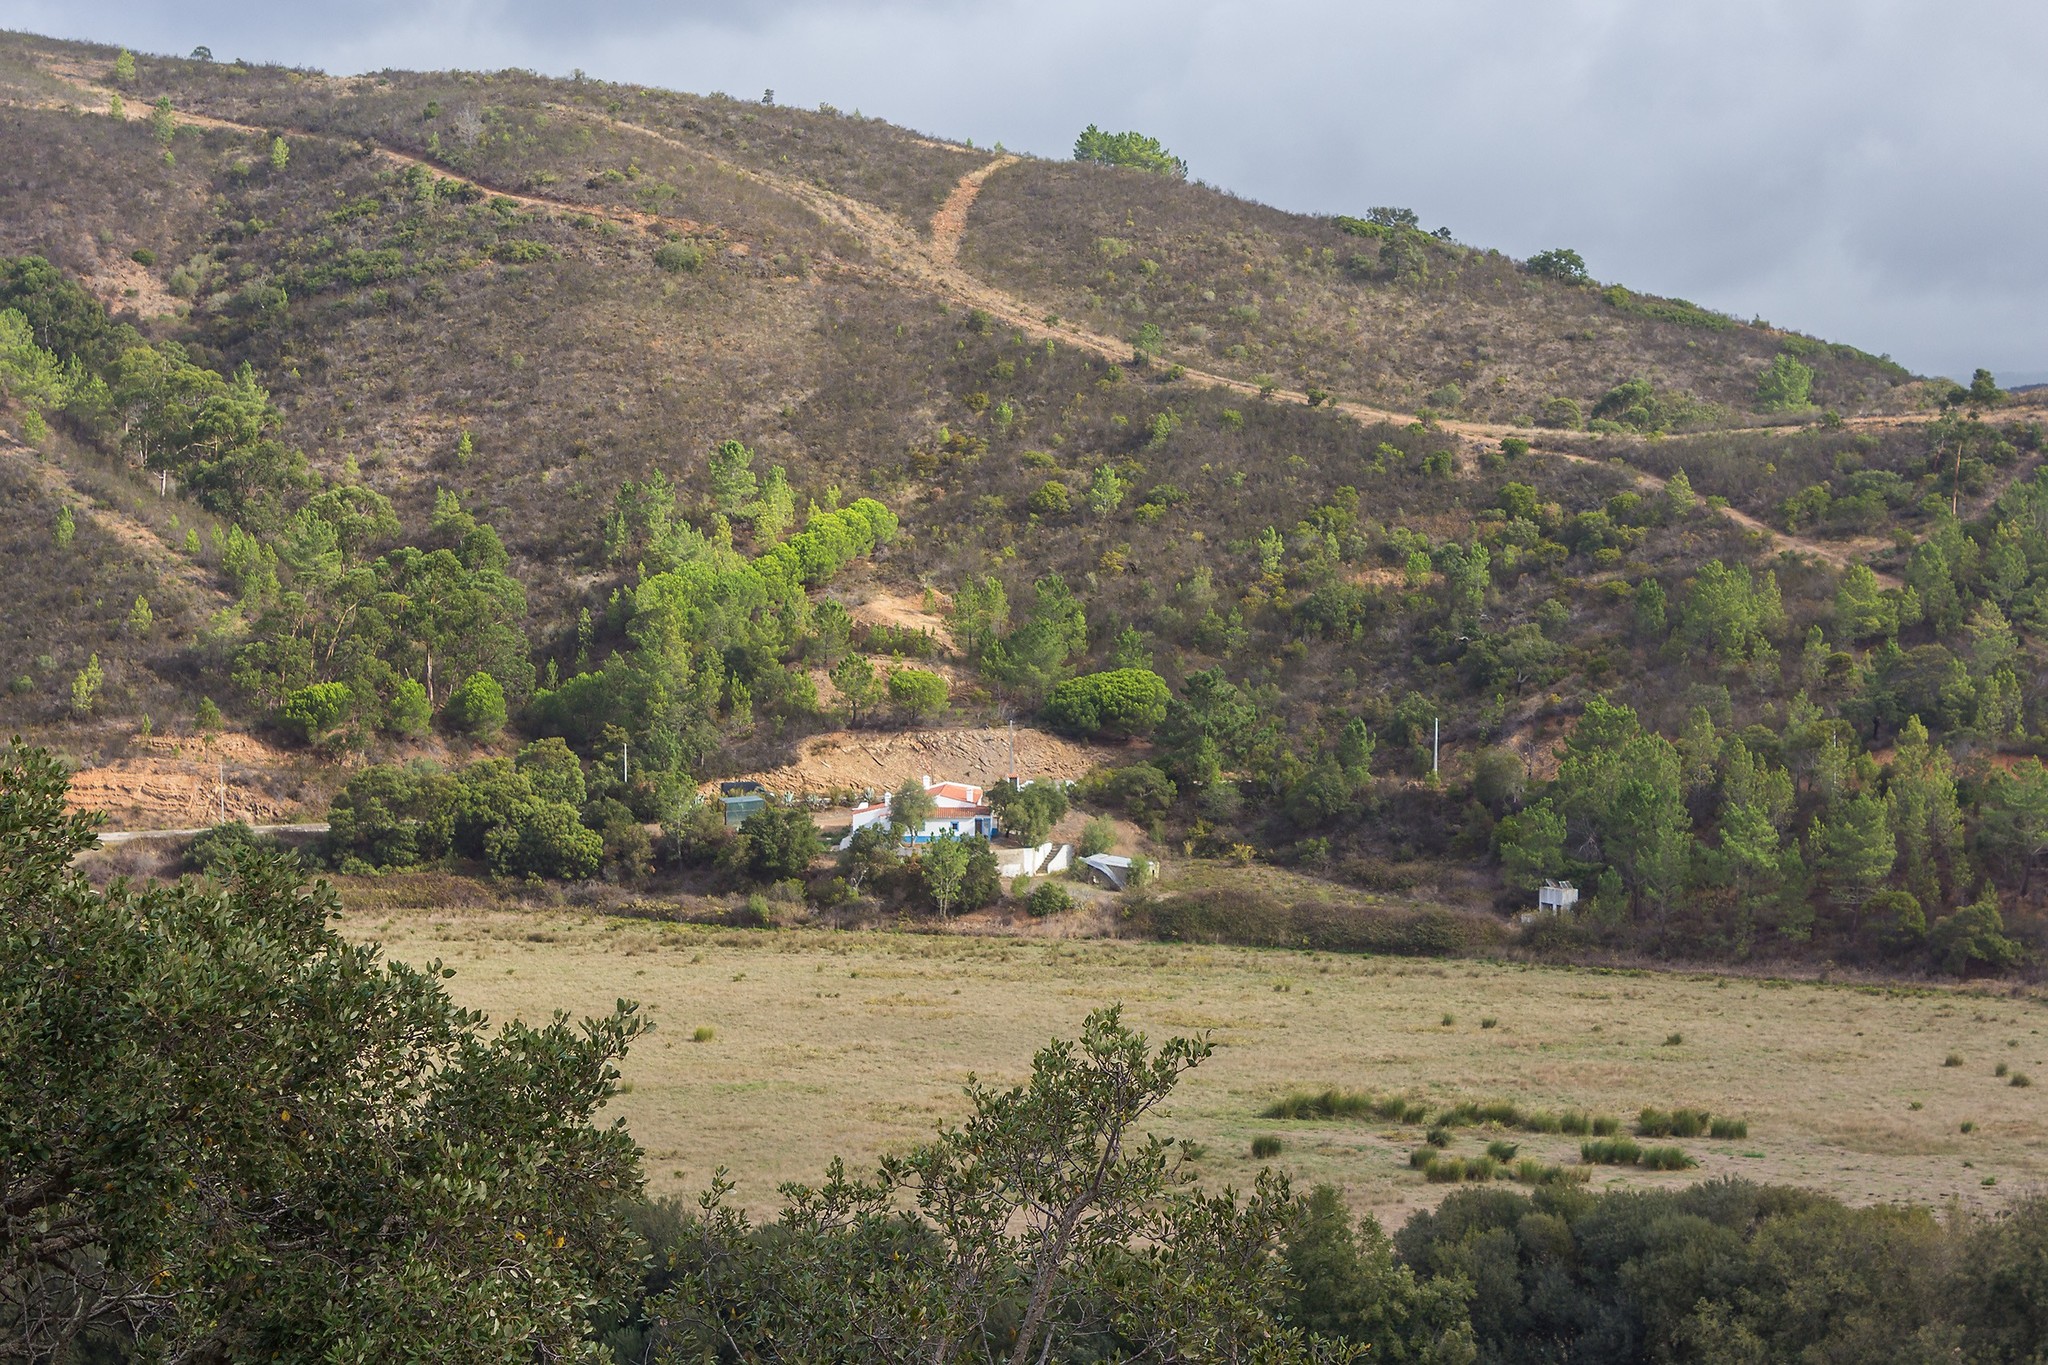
pixel 1926 822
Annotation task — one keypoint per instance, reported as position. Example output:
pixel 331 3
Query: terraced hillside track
pixel 903 255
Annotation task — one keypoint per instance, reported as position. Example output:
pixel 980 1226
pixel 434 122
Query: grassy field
pixel 857 1043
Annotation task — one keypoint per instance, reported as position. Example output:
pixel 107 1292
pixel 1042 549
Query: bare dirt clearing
pixel 857 1043
pixel 173 783
pixel 843 759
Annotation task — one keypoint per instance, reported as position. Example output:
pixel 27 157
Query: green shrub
pixel 917 692
pixel 1605 1125
pixel 1027 813
pixel 544 839
pixel 477 707
pixel 1120 702
pixel 1574 1123
pixel 409 712
pixel 1785 385
pixel 1047 899
pixel 315 709
pixel 1129 149
pixel 1438 1136
pixel 1501 1150
pixel 1051 499
pixel 1097 836
pixel 2020 1079
pixel 1729 1128
pixel 1559 263
pixel 1422 1158
pixel 1665 1159
pixel 211 851
pixel 1328 1104
pixel 704 1034
pixel 1953 1059
pixel 1560 413
pixel 1683 1123
pixel 677 257
pixel 1513 446
pixel 1266 1146
pixel 1618 1151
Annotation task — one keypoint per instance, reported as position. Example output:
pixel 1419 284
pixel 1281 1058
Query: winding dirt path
pixel 949 224
pixel 903 256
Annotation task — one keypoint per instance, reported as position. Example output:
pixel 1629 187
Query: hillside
pixel 625 401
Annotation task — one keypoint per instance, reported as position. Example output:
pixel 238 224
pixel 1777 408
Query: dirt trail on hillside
pixel 136 110
pixel 949 224
pixel 857 760
pixel 905 257
pixel 1839 554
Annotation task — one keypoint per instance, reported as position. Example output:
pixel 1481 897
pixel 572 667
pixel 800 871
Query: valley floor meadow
pixel 857 1043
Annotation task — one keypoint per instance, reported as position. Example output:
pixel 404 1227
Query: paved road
pixel 126 836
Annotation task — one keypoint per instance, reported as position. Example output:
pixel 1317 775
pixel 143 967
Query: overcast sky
pixel 1873 171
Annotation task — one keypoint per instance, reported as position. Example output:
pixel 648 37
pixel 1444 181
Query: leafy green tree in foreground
pixel 1043 1228
pixel 227 1134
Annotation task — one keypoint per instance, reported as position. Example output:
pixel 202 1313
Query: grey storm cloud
pixel 1872 171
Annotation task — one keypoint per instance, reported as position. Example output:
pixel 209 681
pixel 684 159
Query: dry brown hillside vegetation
pixel 560 429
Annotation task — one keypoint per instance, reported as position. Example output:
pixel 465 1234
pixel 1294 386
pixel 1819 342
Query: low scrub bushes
pixel 1328 1104
pixel 1440 1169
pixel 1623 1151
pixel 1688 1123
pixel 1618 1151
pixel 1253 922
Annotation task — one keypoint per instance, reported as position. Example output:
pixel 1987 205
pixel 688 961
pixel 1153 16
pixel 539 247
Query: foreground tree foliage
pixel 1044 1228
pixel 226 1134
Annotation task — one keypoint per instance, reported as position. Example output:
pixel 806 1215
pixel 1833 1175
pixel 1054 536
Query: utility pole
pixel 625 763
pixel 1436 731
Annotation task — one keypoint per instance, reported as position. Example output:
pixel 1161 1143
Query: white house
pixel 961 810
pixel 1554 898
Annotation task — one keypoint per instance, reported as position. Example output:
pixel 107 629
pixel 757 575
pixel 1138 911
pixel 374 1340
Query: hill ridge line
pixel 909 260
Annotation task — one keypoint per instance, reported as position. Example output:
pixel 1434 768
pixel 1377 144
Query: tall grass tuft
pixel 1575 1123
pixel 1618 1151
pixel 1530 1171
pixel 1266 1146
pixel 1438 1136
pixel 1685 1123
pixel 1729 1128
pixel 1501 1150
pixel 1328 1104
pixel 1953 1059
pixel 1605 1125
pixel 1665 1159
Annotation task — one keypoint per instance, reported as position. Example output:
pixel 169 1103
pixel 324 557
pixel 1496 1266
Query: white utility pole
pixel 1436 731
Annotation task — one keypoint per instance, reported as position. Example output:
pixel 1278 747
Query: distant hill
pixel 399 378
